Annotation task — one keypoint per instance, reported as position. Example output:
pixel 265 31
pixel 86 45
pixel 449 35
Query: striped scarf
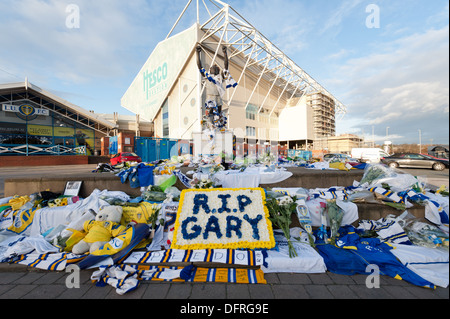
pixel 186 181
pixel 49 261
pixel 388 230
pixel 223 256
pixel 126 278
pixel 331 193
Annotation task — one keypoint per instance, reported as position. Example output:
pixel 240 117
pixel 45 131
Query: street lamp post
pixel 373 136
pixel 420 141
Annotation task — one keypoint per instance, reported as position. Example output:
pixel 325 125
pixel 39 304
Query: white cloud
pixel 285 23
pixel 403 84
pixel 342 53
pixel 103 47
pixel 339 15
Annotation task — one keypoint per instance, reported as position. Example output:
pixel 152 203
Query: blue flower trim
pixel 212 226
pixel 243 202
pixel 236 227
pixel 197 229
pixel 201 200
pixel 254 222
pixel 224 207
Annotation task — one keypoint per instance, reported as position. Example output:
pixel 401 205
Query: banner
pixel 40 130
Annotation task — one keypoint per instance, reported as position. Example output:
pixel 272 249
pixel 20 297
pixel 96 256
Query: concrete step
pixel 301 177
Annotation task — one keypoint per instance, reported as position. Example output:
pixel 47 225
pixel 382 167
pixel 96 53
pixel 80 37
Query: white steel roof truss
pixel 280 96
pixel 241 37
pixel 242 74
pixel 270 90
pixel 256 85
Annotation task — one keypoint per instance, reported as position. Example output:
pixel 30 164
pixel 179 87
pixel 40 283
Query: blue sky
pixel 393 78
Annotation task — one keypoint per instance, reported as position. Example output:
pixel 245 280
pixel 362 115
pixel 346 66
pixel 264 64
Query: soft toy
pixel 99 231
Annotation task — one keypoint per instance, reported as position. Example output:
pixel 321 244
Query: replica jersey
pixel 352 254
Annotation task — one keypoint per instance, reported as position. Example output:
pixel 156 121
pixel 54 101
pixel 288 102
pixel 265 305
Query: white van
pixel 369 155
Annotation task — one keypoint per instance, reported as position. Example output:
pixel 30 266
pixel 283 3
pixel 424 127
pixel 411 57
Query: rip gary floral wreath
pixel 223 218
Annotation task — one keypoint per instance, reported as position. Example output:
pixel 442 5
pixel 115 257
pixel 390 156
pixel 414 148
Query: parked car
pixel 439 158
pixel 340 157
pixel 415 160
pixel 369 155
pixel 125 157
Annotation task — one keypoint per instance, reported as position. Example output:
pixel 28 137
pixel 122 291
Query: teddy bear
pixel 100 230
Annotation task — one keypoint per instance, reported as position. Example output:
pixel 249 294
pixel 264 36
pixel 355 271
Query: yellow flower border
pixel 236 245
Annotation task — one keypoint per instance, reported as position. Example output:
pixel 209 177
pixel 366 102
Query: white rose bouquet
pixel 280 214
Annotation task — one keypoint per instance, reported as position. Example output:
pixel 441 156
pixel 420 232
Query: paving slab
pixel 321 279
pixel 95 292
pixel 341 292
pixel 74 293
pixel 238 291
pixel 294 291
pixel 341 279
pixel 261 291
pixel 45 292
pixel 290 278
pixel 422 293
pixel 179 291
pixel 16 291
pixel 155 291
pixel 318 292
pixel 370 293
pixel 7 278
pixel 209 291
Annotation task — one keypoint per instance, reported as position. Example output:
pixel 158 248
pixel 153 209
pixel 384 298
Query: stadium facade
pixel 275 101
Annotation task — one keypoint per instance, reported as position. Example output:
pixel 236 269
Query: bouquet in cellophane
pixel 335 215
pixel 280 214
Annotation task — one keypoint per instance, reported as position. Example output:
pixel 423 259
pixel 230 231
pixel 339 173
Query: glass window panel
pixel 39 140
pixel 9 139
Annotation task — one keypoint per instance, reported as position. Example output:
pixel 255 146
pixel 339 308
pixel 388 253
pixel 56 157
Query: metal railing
pixel 28 149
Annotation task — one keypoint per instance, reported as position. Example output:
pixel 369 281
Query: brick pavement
pixel 18 282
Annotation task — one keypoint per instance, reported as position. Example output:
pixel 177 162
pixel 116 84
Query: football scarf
pixel 186 181
pixel 393 196
pixel 331 193
pixel 436 212
pixel 50 261
pixel 126 278
pixel 389 230
pixel 223 256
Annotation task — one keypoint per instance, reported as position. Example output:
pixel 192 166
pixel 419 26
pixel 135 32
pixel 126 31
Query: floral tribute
pixel 280 212
pixel 223 218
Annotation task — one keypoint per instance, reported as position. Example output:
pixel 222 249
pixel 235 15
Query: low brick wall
pixel 50 160
pixel 301 178
pixel 92 181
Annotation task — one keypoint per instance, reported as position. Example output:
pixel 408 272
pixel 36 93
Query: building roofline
pixel 245 40
pixel 27 86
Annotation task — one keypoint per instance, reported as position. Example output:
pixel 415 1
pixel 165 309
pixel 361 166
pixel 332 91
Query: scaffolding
pixel 324 117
